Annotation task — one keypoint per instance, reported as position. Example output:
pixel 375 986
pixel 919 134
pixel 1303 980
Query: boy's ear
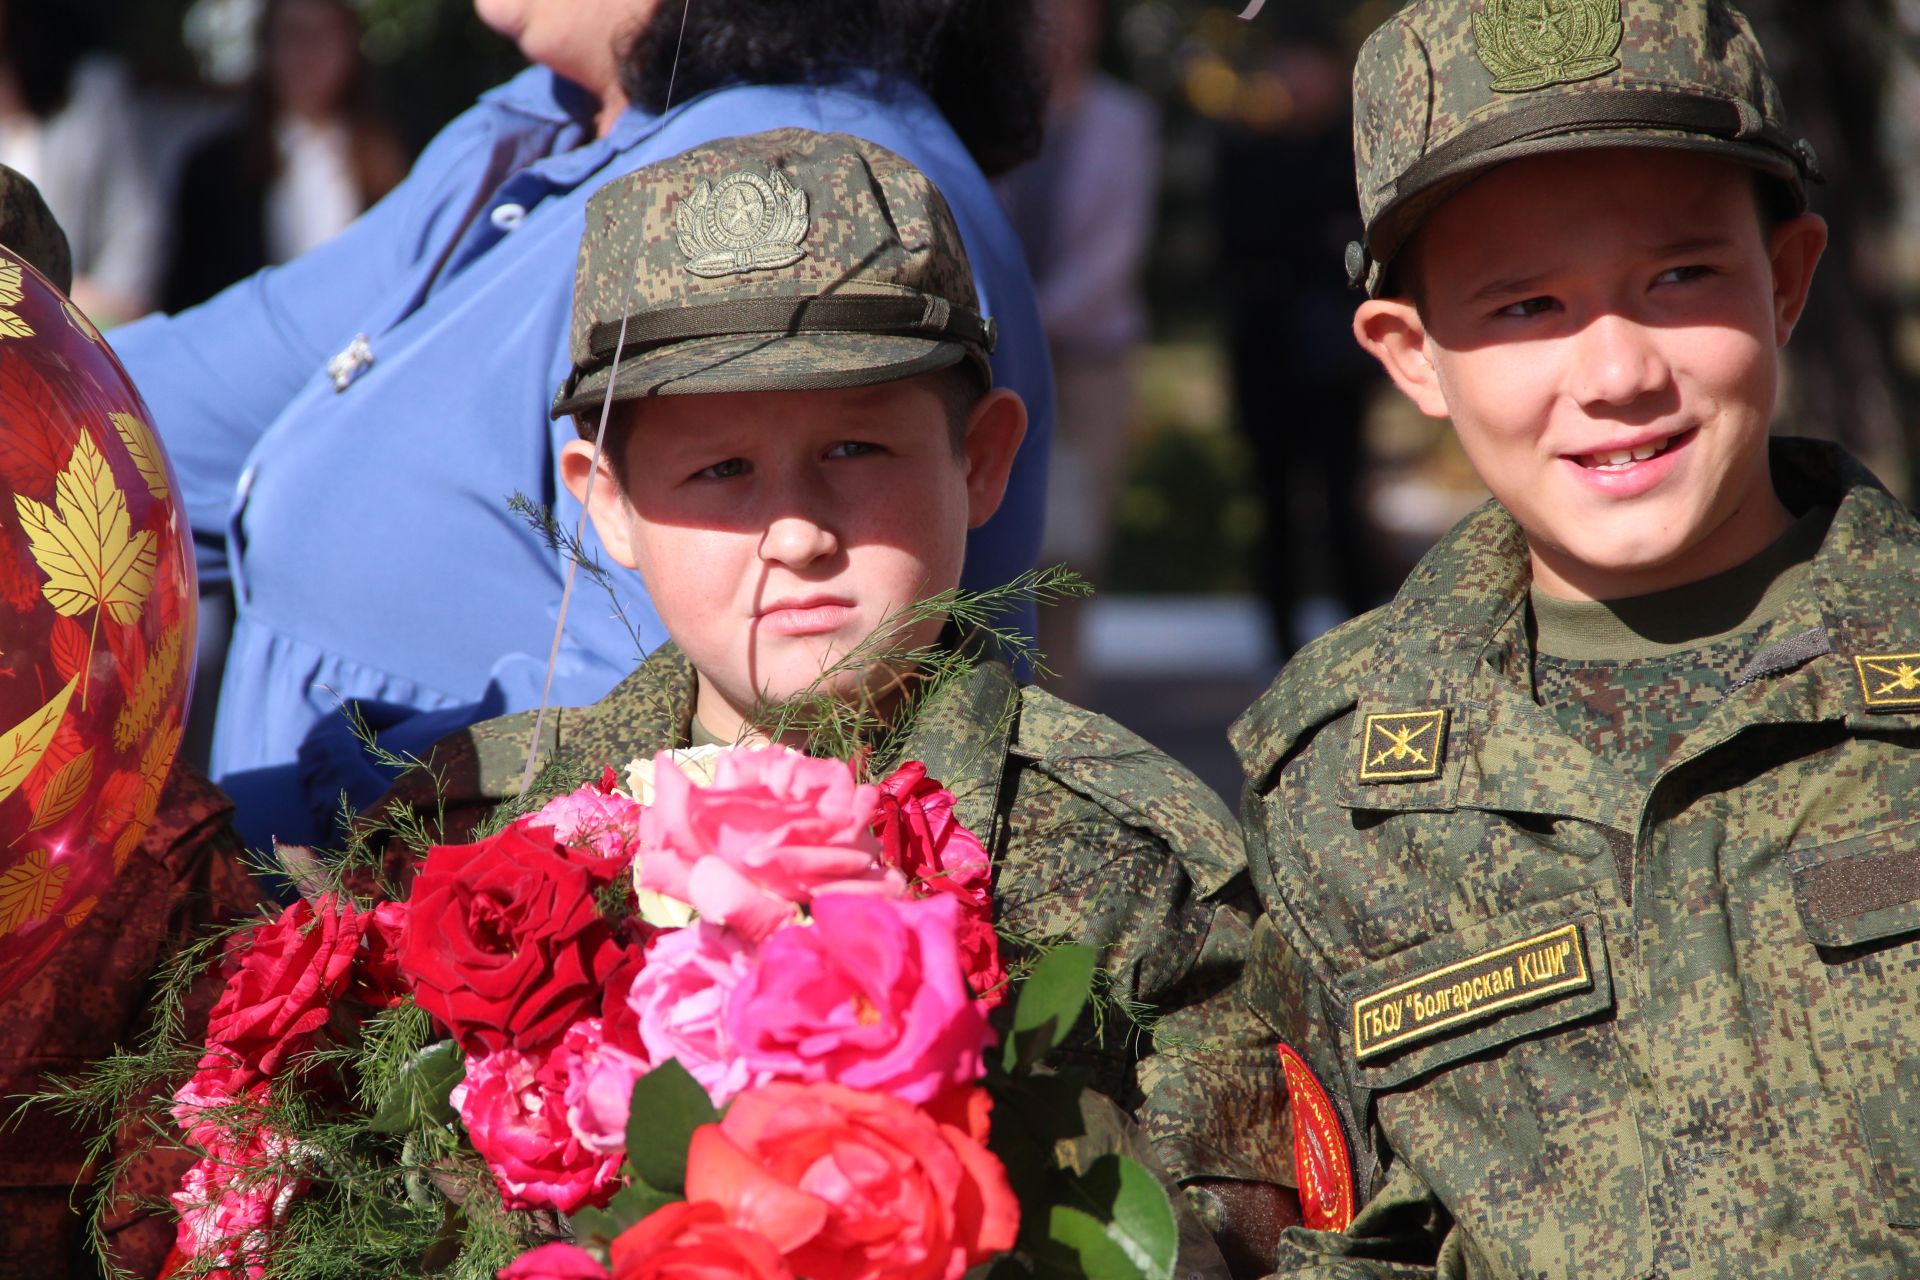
pixel 995 427
pixel 1795 247
pixel 606 506
pixel 1393 333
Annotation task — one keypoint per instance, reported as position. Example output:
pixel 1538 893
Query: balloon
pixel 96 619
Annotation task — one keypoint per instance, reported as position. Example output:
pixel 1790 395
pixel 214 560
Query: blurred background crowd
pixel 1227 469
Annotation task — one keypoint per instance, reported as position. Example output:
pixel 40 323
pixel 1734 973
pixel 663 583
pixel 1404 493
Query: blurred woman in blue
pixel 350 427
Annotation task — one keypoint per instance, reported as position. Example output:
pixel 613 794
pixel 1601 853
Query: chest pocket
pixel 1495 1065
pixel 1859 902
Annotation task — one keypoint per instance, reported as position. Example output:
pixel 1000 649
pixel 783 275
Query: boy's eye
pixel 728 470
pixel 1530 307
pixel 1680 275
pixel 852 449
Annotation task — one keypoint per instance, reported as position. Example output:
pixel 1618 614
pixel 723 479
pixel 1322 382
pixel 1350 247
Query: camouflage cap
pixel 1450 88
pixel 28 228
pixel 778 261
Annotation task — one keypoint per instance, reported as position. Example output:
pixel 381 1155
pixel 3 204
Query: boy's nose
pixel 797 539
pixel 1617 361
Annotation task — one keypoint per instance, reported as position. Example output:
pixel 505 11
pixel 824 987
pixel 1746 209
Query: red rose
pixel 376 979
pixel 504 943
pixel 556 1261
pixel 920 837
pixel 686 1241
pixel 284 985
pixel 857 1186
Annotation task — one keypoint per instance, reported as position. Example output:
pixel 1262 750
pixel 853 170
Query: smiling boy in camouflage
pixel 1589 862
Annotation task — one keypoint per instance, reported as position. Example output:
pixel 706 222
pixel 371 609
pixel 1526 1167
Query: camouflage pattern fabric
pixel 1582 1025
pixel 1447 89
pixel 1635 715
pixel 1095 836
pixel 778 261
pixel 92 996
pixel 28 228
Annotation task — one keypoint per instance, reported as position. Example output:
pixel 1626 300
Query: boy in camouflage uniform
pixel 1589 862
pixel 802 431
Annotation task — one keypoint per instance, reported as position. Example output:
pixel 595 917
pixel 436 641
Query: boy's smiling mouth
pixel 1625 458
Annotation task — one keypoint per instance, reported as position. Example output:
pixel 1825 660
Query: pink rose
pixel 870 996
pixel 599 1089
pixel 680 1001
pixel 556 1261
pixel 920 836
pixel 230 1200
pixel 596 818
pixel 856 1186
pixel 514 1107
pixel 775 829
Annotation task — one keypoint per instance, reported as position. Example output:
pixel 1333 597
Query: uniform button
pixel 508 216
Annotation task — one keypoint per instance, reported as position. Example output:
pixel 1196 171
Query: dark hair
pixel 374 153
pixel 43 41
pixel 975 58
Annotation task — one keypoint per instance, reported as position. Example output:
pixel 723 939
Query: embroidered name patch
pixel 1889 680
pixel 1403 746
pixel 1518 973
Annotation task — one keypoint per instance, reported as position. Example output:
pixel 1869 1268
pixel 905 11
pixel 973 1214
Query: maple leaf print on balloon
pixel 29 890
pixel 144 449
pixel 86 545
pixel 22 746
pixel 11 325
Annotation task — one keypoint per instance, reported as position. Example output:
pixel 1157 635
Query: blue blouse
pixel 366 528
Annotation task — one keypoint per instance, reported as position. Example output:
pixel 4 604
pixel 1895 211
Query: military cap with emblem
pixel 1450 88
pixel 28 228
pixel 779 261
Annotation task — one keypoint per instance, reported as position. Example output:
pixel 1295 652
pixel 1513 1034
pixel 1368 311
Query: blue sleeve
pixel 216 376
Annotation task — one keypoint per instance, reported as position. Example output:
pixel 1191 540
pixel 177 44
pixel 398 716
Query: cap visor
pixel 766 362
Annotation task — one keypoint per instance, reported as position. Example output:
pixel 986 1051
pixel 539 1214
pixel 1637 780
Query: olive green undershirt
pixel 703 737
pixel 1742 599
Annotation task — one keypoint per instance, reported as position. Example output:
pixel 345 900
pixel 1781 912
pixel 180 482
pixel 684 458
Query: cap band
pixel 1595 111
pixel 923 316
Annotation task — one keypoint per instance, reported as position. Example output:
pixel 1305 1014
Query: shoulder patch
pixel 1889 681
pixel 1321 1162
pixel 1403 746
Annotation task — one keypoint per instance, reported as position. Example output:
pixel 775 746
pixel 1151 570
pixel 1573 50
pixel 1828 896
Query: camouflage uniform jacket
pixel 1094 835
pixel 90 996
pixel 1581 1027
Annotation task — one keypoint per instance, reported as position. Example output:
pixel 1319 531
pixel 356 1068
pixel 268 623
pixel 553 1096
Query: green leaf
pixel 636 1201
pixel 1078 1244
pixel 1137 1215
pixel 421 1092
pixel 668 1105
pixel 1050 1002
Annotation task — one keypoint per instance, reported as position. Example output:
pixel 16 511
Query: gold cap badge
pixel 746 223
pixel 1530 44
pixel 1403 746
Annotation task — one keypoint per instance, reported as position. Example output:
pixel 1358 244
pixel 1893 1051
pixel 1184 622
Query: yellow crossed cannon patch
pixel 1515 974
pixel 1403 746
pixel 1889 680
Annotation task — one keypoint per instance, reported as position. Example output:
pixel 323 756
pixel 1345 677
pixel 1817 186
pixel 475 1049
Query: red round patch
pixel 1320 1157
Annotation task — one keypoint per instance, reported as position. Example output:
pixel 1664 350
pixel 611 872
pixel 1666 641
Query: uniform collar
pixel 1448 642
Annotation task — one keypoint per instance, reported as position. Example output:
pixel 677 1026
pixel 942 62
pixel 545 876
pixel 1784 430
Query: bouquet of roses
pixel 728 1015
